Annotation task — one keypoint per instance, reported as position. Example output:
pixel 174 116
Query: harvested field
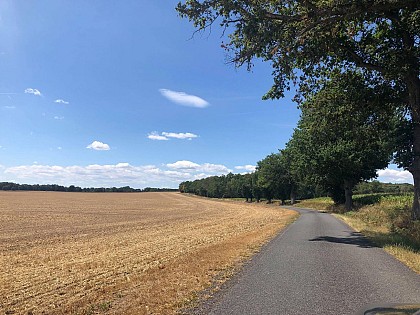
pixel 111 253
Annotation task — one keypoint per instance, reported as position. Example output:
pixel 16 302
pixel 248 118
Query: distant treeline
pixel 252 186
pixel 72 188
pixel 387 188
pixel 249 186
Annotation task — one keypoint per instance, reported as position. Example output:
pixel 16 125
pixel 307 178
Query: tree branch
pixel 359 60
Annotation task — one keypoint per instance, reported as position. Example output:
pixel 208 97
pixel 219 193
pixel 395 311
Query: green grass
pixel 385 219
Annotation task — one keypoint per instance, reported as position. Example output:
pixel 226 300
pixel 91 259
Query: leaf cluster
pixel 305 40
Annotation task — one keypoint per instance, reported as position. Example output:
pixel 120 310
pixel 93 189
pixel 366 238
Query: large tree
pixel 346 133
pixel 274 177
pixel 305 39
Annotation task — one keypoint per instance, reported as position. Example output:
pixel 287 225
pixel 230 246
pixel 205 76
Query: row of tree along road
pixel 356 68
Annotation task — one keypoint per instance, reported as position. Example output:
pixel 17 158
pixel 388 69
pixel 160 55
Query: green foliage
pixel 346 132
pixel 315 36
pixel 274 178
pixel 72 188
pixel 378 187
pixel 308 43
pixel 268 182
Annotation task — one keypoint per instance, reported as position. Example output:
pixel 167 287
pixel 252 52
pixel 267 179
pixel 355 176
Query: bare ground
pixel 137 253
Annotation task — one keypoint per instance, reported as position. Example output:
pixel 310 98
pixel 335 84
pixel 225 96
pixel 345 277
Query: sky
pixel 111 93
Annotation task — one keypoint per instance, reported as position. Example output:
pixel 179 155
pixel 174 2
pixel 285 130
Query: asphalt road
pixel 318 265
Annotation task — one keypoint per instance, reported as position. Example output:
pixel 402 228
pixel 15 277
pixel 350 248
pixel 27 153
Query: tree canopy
pixel 308 41
pixel 346 133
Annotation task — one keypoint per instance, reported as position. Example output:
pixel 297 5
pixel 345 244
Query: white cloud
pixel 215 168
pixel 95 175
pixel 247 168
pixel 33 91
pixel 206 167
pixel 58 117
pixel 184 165
pixel 395 176
pixel 9 107
pixel 60 101
pixel 99 146
pixel 167 135
pixel 181 135
pixel 155 136
pixel 109 175
pixel 184 99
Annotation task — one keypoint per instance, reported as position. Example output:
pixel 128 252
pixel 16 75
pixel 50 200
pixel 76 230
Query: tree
pixel 274 178
pixel 346 133
pixel 306 40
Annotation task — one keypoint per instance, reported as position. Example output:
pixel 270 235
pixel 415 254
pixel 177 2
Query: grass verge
pixel 384 219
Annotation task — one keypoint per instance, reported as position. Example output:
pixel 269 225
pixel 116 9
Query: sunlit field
pixel 115 253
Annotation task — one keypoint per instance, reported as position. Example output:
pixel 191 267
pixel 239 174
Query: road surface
pixel 318 265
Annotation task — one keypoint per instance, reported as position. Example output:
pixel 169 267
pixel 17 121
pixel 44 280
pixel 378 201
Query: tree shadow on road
pixel 394 310
pixel 355 238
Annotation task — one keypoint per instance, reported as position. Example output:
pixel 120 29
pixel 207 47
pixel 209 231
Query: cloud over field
pixel 109 175
pixel 395 176
pixel 206 167
pixel 246 168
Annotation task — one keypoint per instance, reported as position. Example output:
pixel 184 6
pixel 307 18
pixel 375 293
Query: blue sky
pixel 110 93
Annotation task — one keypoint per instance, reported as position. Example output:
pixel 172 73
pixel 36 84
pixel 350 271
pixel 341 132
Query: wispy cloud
pixel 9 107
pixel 167 135
pixel 58 117
pixel 395 176
pixel 33 91
pixel 60 101
pixel 180 135
pixel 184 99
pixel 247 168
pixel 156 136
pixel 98 146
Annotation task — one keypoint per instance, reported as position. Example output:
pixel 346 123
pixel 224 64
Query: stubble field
pixel 136 253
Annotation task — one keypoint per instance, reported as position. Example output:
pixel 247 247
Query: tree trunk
pixel 292 195
pixel 414 101
pixel 415 171
pixel 348 191
pixel 415 212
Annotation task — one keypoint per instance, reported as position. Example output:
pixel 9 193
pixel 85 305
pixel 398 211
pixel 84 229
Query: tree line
pixel 254 187
pixel 349 128
pixel 72 188
pixel 356 68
